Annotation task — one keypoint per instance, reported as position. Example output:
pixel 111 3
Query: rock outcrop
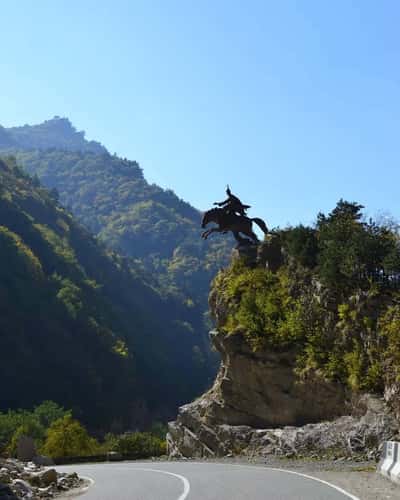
pixel 346 436
pixel 258 406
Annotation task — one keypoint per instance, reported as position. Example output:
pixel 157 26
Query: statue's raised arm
pixel 232 204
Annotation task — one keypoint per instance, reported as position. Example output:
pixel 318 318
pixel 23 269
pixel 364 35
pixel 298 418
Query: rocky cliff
pixel 260 405
pixel 256 407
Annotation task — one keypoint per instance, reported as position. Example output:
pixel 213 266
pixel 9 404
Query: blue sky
pixel 294 103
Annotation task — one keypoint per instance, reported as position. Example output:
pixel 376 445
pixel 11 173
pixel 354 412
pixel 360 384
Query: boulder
pixel 32 481
pixel 23 488
pixel 68 481
pixel 48 477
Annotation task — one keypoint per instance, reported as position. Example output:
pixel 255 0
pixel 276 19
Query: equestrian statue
pixel 231 216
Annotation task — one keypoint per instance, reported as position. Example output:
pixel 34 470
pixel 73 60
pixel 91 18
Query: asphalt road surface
pixel 200 481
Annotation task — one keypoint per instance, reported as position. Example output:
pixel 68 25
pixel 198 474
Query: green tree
pixel 49 411
pixel 352 252
pixel 15 423
pixel 301 243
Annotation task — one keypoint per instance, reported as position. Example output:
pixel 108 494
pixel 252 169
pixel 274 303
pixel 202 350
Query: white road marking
pixel 344 492
pixel 186 484
pixel 319 480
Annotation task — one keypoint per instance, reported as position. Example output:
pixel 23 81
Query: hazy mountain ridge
pixel 55 133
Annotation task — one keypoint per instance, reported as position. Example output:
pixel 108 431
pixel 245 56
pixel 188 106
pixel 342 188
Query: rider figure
pixel 232 204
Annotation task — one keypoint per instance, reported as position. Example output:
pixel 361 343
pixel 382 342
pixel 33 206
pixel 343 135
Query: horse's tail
pixel 261 224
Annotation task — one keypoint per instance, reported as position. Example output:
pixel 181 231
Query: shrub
pixel 140 445
pixel 66 437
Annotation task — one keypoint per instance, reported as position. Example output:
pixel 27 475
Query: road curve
pixel 200 481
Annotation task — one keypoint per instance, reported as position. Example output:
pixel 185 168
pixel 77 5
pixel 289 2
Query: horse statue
pixel 230 221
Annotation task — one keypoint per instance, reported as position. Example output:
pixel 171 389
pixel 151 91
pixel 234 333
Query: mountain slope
pixel 81 326
pixel 112 198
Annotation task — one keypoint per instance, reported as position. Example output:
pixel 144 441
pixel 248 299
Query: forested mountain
pixel 111 197
pixel 83 326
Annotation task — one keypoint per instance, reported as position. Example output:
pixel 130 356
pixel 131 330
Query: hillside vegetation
pixel 57 434
pixel 330 293
pixel 82 326
pixel 111 197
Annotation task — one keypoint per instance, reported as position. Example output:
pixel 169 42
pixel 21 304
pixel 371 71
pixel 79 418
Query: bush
pixel 140 445
pixel 66 437
pixel 34 424
pixel 159 430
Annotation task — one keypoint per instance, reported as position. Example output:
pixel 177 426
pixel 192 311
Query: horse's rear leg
pixel 254 237
pixel 239 239
pixel 251 235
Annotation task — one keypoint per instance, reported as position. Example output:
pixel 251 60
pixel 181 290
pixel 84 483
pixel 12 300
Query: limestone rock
pixel 32 481
pixel 258 407
pixel 261 390
pixel 23 488
pixel 346 436
pixel 68 481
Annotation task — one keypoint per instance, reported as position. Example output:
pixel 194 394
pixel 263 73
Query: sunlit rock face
pixel 252 390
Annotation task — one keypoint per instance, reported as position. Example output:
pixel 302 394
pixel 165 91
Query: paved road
pixel 200 481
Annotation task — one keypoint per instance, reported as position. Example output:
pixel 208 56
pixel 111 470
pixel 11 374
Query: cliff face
pixel 259 405
pixel 260 389
pixel 252 391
